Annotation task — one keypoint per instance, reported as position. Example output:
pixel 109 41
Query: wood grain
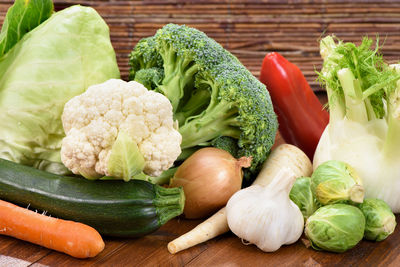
pixel 226 250
pixel 251 28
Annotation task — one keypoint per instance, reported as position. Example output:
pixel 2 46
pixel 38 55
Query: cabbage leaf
pixel 57 60
pixel 22 17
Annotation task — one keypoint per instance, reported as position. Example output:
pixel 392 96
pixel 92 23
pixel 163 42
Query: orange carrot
pixel 73 238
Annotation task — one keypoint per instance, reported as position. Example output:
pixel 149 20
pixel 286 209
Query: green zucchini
pixel 112 207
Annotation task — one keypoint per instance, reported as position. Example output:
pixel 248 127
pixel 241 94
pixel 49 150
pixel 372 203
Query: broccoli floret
pixel 150 78
pixel 144 56
pixel 213 95
pixel 226 143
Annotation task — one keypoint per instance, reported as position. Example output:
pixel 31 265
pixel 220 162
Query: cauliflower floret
pixel 93 120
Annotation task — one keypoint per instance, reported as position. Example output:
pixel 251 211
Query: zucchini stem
pixel 169 202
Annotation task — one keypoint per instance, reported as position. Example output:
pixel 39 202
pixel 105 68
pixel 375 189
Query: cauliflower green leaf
pixel 125 159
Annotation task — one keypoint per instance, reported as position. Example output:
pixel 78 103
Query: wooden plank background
pixel 251 28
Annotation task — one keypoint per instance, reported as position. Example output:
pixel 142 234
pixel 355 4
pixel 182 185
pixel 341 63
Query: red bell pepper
pixel 301 116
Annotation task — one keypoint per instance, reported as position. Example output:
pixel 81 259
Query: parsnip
pixel 214 226
pixel 284 155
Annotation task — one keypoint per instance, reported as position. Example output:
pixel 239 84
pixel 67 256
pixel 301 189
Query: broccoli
pixel 212 94
pixel 144 56
pixel 226 143
pixel 150 77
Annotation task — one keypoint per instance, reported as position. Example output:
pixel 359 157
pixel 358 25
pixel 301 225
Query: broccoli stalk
pixel 212 94
pixel 195 105
pixel 179 73
pixel 211 125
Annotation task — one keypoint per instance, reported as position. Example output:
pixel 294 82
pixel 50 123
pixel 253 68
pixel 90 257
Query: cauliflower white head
pixel 119 129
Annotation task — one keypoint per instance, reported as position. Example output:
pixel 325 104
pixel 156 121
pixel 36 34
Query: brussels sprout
pixel 303 197
pixel 336 227
pixel 379 219
pixel 336 182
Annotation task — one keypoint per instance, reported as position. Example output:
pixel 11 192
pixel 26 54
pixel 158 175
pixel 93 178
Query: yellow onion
pixel 209 178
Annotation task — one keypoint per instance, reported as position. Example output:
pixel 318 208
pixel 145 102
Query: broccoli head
pixel 216 100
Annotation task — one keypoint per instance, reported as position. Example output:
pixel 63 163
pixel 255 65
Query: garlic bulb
pixel 265 216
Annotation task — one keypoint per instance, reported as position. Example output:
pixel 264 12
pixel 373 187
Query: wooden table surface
pixel 249 29
pixel 226 250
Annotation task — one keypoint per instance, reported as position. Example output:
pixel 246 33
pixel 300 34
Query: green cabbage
pixel 22 17
pixel 57 60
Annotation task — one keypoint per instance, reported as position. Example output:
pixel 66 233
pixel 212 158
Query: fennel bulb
pixel 364 126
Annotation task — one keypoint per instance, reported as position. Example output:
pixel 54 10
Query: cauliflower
pixel 119 129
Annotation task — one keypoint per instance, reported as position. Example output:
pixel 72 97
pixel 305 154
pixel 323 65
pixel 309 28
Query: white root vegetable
pixel 214 226
pixel 283 156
